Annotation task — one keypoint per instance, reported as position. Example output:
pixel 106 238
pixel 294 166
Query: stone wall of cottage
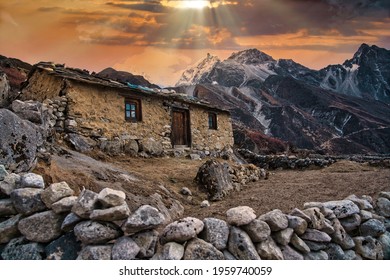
pixel 41 86
pixel 99 112
pixel 205 139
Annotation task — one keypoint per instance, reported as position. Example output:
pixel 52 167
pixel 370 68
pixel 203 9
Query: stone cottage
pixel 105 110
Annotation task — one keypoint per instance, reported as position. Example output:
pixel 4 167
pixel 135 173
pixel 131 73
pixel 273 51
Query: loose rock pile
pixel 51 222
pixel 219 179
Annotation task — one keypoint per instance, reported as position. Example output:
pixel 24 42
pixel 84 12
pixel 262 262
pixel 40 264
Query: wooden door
pixel 180 127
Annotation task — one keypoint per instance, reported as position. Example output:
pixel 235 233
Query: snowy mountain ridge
pixel 366 75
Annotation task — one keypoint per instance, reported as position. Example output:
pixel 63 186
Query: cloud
pixel 147 6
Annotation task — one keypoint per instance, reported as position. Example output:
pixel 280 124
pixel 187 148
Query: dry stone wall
pixel 50 222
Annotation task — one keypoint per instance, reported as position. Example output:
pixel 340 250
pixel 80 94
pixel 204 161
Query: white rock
pixel 240 216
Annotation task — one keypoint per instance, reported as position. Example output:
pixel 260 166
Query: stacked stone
pixel 58 107
pixel 284 161
pixel 245 173
pixel 39 222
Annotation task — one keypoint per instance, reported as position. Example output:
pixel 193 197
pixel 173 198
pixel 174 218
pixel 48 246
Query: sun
pixel 187 4
pixel 194 4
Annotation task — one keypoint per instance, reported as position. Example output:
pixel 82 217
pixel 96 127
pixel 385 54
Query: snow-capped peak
pixel 194 74
pixel 251 56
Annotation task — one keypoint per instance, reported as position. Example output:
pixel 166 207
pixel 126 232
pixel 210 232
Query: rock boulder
pixel 19 142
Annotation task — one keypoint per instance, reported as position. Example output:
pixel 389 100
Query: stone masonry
pixel 52 223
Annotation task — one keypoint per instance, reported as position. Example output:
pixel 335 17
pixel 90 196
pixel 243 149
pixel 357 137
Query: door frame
pixel 187 125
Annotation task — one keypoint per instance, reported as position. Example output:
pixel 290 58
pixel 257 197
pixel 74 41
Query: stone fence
pixel 51 222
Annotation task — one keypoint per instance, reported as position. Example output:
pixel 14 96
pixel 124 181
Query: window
pixel 133 111
pixel 213 121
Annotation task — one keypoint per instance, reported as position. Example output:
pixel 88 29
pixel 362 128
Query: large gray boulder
pixel 341 237
pixel 384 240
pixel 373 227
pixel 28 110
pixel 9 183
pixel 335 252
pixel 7 208
pixel 64 248
pixel 91 232
pixel 97 252
pixel 3 172
pixel 241 215
pixel 147 242
pixel 19 142
pixel 268 250
pixel 351 223
pixel 198 249
pixel 116 213
pixel 283 236
pixel 55 192
pixel 342 208
pixel 317 256
pixel 85 204
pixel 290 254
pixel 241 245
pixel 9 229
pixel 111 198
pixel 383 207
pixel 80 143
pixel 21 249
pixel 28 201
pixel 299 244
pixel 181 230
pixel 276 220
pixel 145 217
pixel 70 221
pixel 151 147
pixel 32 180
pixel 214 179
pixel 41 227
pixel 298 224
pixel 215 232
pixel 170 251
pixel 64 205
pixel 125 248
pixel 5 90
pixel 257 230
pixel 368 247
pixel 315 236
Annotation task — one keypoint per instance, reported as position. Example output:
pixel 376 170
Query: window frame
pixel 137 110
pixel 213 121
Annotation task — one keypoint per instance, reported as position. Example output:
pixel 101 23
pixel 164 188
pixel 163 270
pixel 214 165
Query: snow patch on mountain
pixel 262 118
pixel 194 74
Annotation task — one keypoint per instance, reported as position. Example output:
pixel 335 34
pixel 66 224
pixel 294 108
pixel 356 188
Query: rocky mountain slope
pixel 366 75
pixel 15 69
pixel 125 77
pixel 306 108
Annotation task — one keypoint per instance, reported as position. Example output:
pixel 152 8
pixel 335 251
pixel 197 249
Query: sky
pixel 161 38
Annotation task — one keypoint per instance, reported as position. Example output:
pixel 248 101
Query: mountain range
pixel 279 105
pixel 341 108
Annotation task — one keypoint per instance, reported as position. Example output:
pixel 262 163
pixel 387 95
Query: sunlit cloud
pixel 95 34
